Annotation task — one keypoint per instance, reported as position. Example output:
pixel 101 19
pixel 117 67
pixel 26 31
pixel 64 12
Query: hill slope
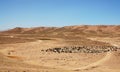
pixel 99 30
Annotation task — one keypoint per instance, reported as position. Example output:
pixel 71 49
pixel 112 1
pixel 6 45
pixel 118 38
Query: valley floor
pixel 29 57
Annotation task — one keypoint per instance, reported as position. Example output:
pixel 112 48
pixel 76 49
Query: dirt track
pixel 96 64
pixel 99 62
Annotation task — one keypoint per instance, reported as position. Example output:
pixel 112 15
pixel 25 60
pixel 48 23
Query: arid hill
pixel 91 30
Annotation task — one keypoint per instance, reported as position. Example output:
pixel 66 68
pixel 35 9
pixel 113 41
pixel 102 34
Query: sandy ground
pixel 27 57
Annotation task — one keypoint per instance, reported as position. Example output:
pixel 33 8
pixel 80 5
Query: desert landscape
pixel 79 48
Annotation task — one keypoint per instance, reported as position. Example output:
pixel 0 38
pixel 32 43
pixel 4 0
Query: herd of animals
pixel 82 49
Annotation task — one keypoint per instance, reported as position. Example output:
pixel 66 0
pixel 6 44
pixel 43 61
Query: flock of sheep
pixel 82 49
